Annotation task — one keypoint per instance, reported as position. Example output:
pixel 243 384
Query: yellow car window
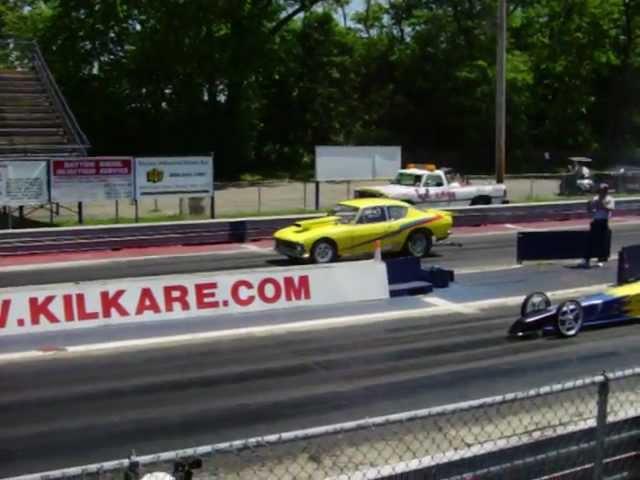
pixel 372 215
pixel 396 213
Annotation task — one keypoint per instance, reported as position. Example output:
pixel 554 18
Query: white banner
pixel 23 182
pixel 91 179
pixel 92 304
pixel 357 163
pixel 190 176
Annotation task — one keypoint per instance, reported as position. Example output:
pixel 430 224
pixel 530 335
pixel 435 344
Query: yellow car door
pixel 372 224
pixel 397 233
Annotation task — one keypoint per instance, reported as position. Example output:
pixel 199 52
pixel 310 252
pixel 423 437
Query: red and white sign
pixel 91 179
pixel 90 304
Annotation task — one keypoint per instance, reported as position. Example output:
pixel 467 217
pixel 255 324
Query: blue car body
pixel 615 305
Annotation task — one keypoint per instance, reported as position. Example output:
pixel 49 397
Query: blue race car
pixel 617 304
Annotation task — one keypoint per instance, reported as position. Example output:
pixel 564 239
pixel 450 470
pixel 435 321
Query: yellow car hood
pixel 314 223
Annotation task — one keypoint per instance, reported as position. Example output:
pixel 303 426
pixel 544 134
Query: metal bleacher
pixel 35 120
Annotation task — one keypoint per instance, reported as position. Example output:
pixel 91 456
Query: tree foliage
pixel 261 82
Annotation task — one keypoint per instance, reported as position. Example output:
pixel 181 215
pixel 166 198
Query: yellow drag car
pixel 353 227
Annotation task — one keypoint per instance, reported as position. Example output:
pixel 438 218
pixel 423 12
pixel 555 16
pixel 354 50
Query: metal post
pixel 57 209
pixel 181 207
pixel 259 198
pixel 304 189
pixel 501 88
pixel 213 206
pixel 9 219
pixel 317 195
pixel 21 212
pixel 117 212
pixel 80 216
pixel 136 211
pixel 531 189
pixel 601 428
pixel 51 213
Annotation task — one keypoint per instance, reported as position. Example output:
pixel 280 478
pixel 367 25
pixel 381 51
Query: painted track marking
pixel 454 307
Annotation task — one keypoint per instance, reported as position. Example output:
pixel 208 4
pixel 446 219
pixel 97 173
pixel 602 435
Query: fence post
pixel 531 189
pixel 259 198
pixel 601 428
pixel 317 195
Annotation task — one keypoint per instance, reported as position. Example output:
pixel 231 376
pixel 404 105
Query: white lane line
pixel 256 248
pixel 496 268
pixel 522 228
pixel 81 263
pixel 515 228
pixel 455 307
pixel 309 325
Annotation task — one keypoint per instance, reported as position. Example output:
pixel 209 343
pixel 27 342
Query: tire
pixel 481 200
pixel 533 303
pixel 569 318
pixel 419 243
pixel 324 251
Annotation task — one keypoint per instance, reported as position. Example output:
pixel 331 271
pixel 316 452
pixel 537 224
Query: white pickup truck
pixel 437 188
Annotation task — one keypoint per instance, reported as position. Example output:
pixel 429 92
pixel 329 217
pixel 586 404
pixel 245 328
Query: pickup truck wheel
pixel 324 251
pixel 481 200
pixel 419 243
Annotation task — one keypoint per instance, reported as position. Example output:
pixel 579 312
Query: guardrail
pixel 588 428
pixel 78 239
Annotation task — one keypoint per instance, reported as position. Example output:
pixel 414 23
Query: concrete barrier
pixel 92 304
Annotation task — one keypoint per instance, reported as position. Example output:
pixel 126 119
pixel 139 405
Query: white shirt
pixel 602 208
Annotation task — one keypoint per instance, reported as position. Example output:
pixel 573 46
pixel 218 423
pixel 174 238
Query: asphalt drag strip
pixel 69 410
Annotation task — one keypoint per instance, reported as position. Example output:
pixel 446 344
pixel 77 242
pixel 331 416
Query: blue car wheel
pixel 534 302
pixel 569 318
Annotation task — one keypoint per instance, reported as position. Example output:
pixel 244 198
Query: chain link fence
pixel 588 428
pixel 246 199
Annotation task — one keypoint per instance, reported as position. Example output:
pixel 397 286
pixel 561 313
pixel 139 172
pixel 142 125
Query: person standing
pixel 600 208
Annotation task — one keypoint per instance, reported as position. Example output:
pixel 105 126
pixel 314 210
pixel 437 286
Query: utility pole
pixel 501 89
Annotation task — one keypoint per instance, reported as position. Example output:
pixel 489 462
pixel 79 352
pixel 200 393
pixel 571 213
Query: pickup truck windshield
pixel 344 213
pixel 407 179
pixel 434 181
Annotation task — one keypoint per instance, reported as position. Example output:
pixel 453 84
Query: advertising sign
pixel 191 176
pixel 93 304
pixel 91 179
pixel 357 163
pixel 23 182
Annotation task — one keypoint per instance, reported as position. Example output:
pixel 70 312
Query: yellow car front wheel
pixel 324 251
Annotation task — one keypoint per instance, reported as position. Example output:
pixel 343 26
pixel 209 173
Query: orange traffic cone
pixel 377 256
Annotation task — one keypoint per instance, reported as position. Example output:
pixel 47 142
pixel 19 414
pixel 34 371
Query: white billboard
pixel 23 182
pixel 192 176
pixel 357 163
pixel 91 179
